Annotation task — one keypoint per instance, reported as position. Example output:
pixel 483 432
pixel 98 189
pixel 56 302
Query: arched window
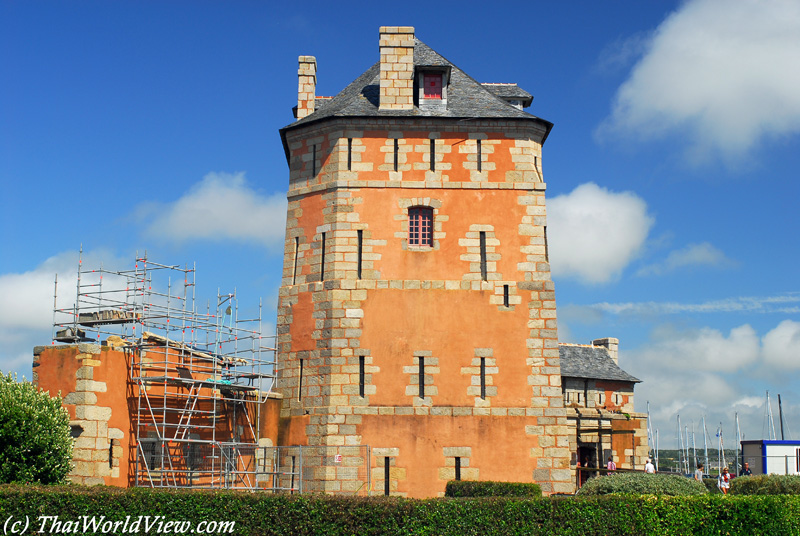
pixel 420 226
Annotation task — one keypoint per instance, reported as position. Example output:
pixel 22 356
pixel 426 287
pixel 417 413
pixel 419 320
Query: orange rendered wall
pixel 399 322
pixel 421 440
pixel 57 371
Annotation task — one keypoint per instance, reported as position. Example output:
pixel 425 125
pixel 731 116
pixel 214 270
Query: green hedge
pixel 643 483
pixel 266 515
pixel 711 484
pixel 766 485
pixel 486 488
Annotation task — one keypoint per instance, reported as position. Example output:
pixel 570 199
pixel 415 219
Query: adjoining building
pixel 598 397
pixel 417 336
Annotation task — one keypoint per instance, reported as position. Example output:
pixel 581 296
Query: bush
pixel 35 441
pixel 476 488
pixel 711 484
pixel 766 485
pixel 643 484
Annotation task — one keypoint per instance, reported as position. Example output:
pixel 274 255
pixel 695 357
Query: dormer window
pixel 432 86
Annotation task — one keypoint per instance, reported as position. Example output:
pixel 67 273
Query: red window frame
pixel 432 86
pixel 420 226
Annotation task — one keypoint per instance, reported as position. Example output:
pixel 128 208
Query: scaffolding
pixel 196 380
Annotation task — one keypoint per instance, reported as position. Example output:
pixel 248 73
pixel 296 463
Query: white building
pixel 772 456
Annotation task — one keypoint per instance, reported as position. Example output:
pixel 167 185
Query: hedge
pixel 766 485
pixel 643 483
pixel 487 488
pixel 266 515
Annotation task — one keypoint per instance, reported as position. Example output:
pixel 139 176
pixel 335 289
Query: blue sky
pixel 671 170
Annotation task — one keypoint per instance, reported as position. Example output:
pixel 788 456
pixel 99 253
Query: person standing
pixel 724 481
pixel 611 466
pixel 649 467
pixel 746 470
pixel 698 474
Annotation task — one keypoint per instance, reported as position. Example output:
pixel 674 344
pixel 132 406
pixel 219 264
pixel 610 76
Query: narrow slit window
pixel 421 380
pixel 349 154
pixel 458 467
pixel 505 295
pixel 314 160
pixel 322 260
pixel 483 378
pixel 361 375
pixel 546 247
pixel 300 383
pixel 360 250
pixel 294 266
pixel 484 274
pixel 294 470
pixel 420 226
pixel 433 155
pixel 479 156
pixel 111 455
pixel 396 153
pixel 386 475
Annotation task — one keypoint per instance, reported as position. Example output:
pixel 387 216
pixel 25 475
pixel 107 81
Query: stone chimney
pixel 397 68
pixel 611 344
pixel 307 86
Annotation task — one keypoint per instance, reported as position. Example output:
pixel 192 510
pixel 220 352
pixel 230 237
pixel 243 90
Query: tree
pixel 35 441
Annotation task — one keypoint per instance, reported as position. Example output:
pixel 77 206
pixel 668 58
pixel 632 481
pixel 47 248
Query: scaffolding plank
pixel 108 317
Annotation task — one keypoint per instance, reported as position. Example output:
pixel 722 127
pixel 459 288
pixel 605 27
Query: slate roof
pixel 591 362
pixel 509 91
pixel 466 98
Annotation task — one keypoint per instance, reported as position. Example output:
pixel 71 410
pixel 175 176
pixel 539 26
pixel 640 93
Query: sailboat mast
pixel 656 449
pixel 686 432
pixel 680 437
pixel 770 421
pixel 780 415
pixel 705 441
pixel 649 430
pixel 740 454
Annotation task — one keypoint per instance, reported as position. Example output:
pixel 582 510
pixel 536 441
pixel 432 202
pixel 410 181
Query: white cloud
pixel 595 233
pixel 782 303
pixel 26 303
pixel 705 372
pixel 750 401
pixel 222 206
pixel 703 254
pixel 781 346
pixel 721 75
pixel 26 299
pixel 702 349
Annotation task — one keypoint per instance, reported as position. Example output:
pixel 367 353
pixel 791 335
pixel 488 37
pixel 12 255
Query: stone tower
pixel 417 314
